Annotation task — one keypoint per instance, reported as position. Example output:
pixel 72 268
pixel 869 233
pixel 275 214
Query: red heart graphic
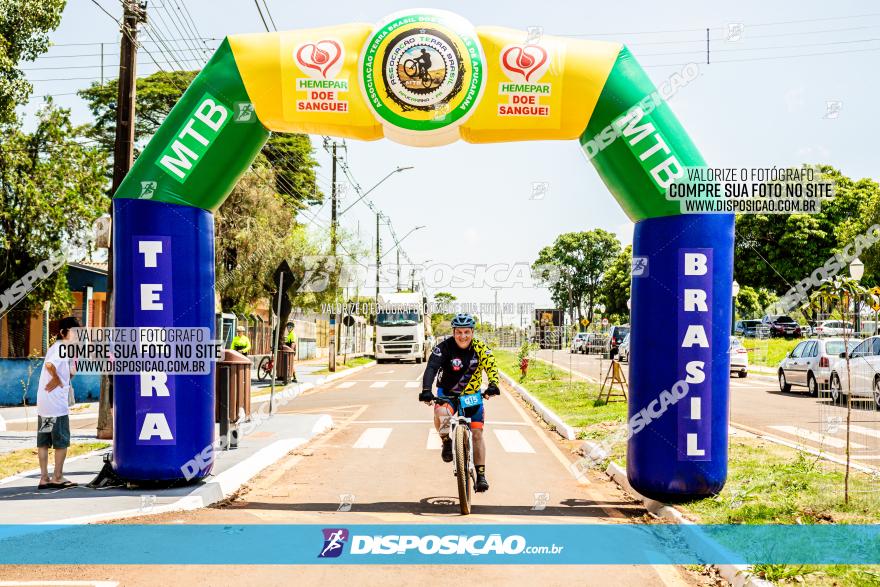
pixel 524 59
pixel 321 57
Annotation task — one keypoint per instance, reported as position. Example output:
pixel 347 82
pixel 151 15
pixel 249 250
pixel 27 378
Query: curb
pixel 548 415
pixel 736 575
pixel 220 487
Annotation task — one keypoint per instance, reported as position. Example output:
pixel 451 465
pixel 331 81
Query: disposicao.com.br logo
pixel 452 544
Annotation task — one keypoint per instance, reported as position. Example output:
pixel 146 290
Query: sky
pixel 788 83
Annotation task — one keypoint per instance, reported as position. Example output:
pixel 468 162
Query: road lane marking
pixel 373 438
pixel 411 384
pixel 490 423
pixel 865 431
pixel 816 437
pixel 434 442
pixel 513 441
pixel 379 384
pixel 346 384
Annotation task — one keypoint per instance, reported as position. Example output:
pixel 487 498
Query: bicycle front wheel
pixel 410 68
pixel 264 369
pixel 462 458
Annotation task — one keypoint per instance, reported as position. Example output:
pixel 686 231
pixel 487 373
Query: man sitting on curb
pixel 53 409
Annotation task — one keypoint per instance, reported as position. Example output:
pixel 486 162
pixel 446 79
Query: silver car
pixel 834 328
pixel 739 357
pixel 623 350
pixel 863 375
pixel 809 364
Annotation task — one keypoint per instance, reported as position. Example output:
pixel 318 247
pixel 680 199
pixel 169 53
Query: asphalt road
pixel 757 405
pixel 381 464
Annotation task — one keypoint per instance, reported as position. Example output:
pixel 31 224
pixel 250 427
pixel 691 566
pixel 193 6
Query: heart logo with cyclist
pixel 524 63
pixel 457 364
pixel 320 59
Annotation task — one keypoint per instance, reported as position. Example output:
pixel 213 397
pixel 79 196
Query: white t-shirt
pixel 54 403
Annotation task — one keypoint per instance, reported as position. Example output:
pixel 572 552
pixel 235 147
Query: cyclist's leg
pixel 442 414
pixel 478 417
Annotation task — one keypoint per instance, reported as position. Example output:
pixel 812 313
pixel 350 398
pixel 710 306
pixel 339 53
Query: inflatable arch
pixel 426 78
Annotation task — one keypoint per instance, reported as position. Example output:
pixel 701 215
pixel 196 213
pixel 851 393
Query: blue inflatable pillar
pixel 163 276
pixel 681 315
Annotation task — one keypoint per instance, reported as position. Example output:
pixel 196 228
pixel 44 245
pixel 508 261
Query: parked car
pixel 754 329
pixel 623 350
pixel 577 343
pixel 834 328
pixel 615 337
pixel 809 364
pixel 782 326
pixel 864 365
pixel 739 357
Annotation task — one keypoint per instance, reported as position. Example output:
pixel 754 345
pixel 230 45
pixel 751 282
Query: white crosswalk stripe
pixel 373 438
pixel 379 384
pixel 866 431
pixel 346 384
pixel 816 437
pixel 411 384
pixel 434 442
pixel 513 441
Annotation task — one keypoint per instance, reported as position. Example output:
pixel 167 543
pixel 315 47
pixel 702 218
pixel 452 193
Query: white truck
pixel 403 331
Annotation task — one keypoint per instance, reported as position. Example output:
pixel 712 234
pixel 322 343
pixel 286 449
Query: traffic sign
pixel 875 298
pixel 604 321
pixel 585 322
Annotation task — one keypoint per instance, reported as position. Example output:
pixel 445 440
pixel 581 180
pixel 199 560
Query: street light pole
pixel 364 195
pixel 735 290
pixel 857 271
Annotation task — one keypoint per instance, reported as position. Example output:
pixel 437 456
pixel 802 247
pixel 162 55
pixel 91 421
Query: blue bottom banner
pixel 540 544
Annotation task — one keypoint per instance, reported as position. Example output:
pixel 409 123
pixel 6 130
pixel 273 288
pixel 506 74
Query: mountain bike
pixel 462 446
pixel 414 70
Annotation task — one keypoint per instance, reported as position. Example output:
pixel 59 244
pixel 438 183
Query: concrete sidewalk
pixel 269 440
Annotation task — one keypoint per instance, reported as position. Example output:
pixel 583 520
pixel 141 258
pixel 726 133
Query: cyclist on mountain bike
pixel 460 361
pixel 424 61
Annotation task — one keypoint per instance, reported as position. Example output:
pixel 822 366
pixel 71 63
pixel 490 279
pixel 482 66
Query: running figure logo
pixel 334 540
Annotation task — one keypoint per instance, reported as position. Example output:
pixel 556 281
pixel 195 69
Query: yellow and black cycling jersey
pixel 460 370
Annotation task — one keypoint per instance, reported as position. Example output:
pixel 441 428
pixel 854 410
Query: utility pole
pixel 134 13
pixel 378 263
pixel 398 270
pixel 331 354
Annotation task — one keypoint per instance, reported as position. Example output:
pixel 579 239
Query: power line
pixel 269 14
pixel 105 11
pixel 260 10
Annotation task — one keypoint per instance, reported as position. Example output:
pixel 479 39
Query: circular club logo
pixel 423 71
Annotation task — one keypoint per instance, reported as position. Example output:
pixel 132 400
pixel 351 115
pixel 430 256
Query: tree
pixel 843 291
pixel 751 302
pixel 24 28
pixel 581 259
pixel 51 190
pixel 775 251
pixel 615 290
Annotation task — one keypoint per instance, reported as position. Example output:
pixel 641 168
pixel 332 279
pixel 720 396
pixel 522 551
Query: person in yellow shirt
pixel 241 342
pixel 291 340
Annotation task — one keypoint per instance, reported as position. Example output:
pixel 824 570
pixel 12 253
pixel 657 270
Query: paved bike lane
pixel 380 464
